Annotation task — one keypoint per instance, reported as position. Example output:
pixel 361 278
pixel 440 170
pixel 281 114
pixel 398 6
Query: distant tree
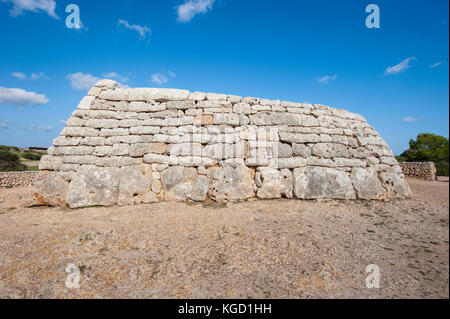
pixel 428 147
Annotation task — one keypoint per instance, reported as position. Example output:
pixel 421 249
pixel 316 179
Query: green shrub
pixel 10 161
pixel 441 168
pixel 31 156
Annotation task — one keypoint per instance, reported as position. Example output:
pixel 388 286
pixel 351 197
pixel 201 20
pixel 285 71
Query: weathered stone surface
pixel 139 149
pixel 134 187
pixel 274 183
pixel 330 150
pixel 367 184
pixel 172 176
pixel 145 94
pixel 232 183
pixel 80 132
pixel 181 183
pixel 107 83
pixel 50 191
pixel 395 186
pixel 320 182
pixel 49 162
pixel 301 150
pixel 292 162
pixel 199 189
pixel 85 103
pixel 197 96
pixel 283 150
pixel 216 97
pixel 94 186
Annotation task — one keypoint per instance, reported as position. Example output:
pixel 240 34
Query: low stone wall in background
pixel 419 170
pixel 15 179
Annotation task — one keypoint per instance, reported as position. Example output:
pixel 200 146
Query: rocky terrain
pixel 280 248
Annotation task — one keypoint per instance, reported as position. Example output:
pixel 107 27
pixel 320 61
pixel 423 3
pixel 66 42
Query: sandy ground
pixel 258 249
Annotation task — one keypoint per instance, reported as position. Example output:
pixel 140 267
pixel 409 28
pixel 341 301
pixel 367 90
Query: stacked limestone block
pixel 142 145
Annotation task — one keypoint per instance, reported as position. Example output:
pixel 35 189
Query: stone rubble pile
pixel 17 179
pixel 142 145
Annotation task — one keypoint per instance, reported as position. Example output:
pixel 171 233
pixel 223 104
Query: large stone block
pixel 320 182
pixel 94 186
pixel 145 94
pixel 231 183
pixel 50 191
pixel 273 183
pixel 395 186
pixel 367 184
pixel 181 183
pixel 134 187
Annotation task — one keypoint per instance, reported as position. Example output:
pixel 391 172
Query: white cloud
pixel 21 97
pixel 409 119
pixel 435 65
pixel 188 10
pixel 34 6
pixel 62 122
pixel 37 76
pixel 4 125
pixel 82 81
pixel 160 78
pixel 325 79
pixel 42 128
pixel 142 30
pixel 172 74
pixel 19 75
pixel 402 66
pixel 114 75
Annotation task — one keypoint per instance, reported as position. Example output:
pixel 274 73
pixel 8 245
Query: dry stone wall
pixel 419 170
pixel 16 179
pixel 141 145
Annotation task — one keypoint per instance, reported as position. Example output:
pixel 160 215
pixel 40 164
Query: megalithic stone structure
pixel 142 145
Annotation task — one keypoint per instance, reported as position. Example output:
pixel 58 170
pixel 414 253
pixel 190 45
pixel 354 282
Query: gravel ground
pixel 254 249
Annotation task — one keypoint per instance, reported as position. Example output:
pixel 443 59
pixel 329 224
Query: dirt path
pixel 260 249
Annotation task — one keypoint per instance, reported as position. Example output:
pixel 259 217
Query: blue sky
pixel 315 51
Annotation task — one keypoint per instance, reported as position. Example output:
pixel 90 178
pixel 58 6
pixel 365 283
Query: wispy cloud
pixel 21 97
pixel 4 125
pixel 19 75
pixel 160 78
pixel 82 81
pixel 410 119
pixel 34 76
pixel 42 128
pixel 32 5
pixel 327 78
pixel 188 10
pixel 142 30
pixel 115 75
pixel 402 66
pixel 40 75
pixel 435 65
